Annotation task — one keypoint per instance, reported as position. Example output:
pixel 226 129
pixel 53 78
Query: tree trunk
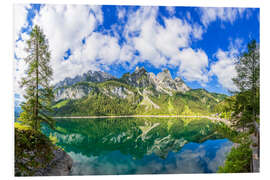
pixel 254 104
pixel 36 103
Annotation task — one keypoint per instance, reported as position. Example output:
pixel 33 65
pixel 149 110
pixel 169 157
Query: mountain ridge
pixel 93 76
pixel 161 81
pixel 139 92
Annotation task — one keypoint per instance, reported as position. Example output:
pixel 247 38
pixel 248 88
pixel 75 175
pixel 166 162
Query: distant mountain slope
pixel 137 93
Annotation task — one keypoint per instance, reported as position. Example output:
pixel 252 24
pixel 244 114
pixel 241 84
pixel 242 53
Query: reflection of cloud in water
pixel 188 161
pixel 192 158
pixel 151 166
pixel 200 158
pixel 81 163
pixel 107 164
pixel 220 156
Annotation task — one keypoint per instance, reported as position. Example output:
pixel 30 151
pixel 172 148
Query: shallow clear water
pixel 141 145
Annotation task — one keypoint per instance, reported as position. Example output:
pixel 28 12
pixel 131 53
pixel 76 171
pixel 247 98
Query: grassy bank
pixel 239 158
pixel 35 153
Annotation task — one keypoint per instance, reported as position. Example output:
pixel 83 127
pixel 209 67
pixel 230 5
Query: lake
pixel 141 145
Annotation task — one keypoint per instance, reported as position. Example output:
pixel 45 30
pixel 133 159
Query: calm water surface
pixel 141 145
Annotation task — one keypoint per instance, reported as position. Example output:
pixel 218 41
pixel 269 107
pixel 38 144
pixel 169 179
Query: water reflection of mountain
pixel 136 137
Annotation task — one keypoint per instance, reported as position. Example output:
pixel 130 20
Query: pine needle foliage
pixel 38 91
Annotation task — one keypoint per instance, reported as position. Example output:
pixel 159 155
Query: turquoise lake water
pixel 141 145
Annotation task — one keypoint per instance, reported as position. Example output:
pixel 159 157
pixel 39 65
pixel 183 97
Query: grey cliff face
pixel 118 91
pixel 96 76
pixel 166 84
pixel 165 75
pixel 162 82
pixel 90 76
pixel 76 92
pixel 140 78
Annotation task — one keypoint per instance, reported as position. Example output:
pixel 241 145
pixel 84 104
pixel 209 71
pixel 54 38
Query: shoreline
pixel 227 122
pixel 117 116
pixel 41 157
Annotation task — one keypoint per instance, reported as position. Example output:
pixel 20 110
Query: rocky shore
pixel 60 165
pixel 255 163
pixel 36 155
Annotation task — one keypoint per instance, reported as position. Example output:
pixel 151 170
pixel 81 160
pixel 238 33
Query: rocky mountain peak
pixel 139 78
pixel 90 76
pixel 178 79
pixel 162 82
pixel 164 75
pixel 139 70
pixel 166 71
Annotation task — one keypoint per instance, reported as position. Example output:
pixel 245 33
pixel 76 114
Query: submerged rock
pixel 60 166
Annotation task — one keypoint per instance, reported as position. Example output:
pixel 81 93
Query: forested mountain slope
pixel 140 92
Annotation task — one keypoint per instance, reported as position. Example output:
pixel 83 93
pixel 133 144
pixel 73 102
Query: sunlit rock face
pixel 117 91
pixel 180 85
pixel 139 78
pixel 70 89
pixel 90 76
pixel 139 92
pixel 137 87
pixel 76 92
pixel 162 82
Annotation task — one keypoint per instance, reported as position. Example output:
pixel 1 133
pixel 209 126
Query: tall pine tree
pixel 248 80
pixel 248 83
pixel 38 92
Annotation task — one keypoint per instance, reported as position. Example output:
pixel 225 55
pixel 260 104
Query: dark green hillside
pixel 139 92
pixel 99 102
pixel 194 102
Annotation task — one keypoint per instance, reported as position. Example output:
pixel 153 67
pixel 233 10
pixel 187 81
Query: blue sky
pixel 198 44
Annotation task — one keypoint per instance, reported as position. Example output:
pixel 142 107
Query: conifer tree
pixel 248 80
pixel 248 83
pixel 38 92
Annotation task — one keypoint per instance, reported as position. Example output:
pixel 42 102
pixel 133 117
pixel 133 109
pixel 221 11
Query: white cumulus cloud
pixel 99 50
pixel 210 14
pixel 160 45
pixel 121 13
pixel 224 69
pixel 171 10
pixel 66 26
pixel 20 12
pixel 144 39
pixel 19 65
pixel 193 64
